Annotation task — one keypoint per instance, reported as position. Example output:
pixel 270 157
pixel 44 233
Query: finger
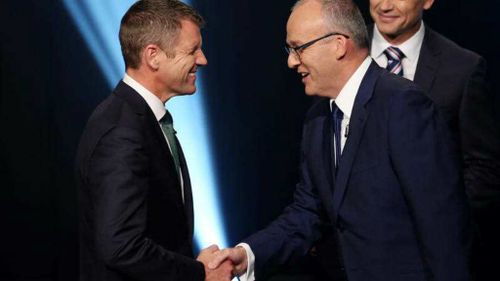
pixel 212 248
pixel 239 270
pixel 228 263
pixel 227 267
pixel 219 258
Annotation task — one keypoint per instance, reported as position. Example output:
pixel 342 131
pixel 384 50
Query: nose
pixel 293 61
pixel 386 5
pixel 201 60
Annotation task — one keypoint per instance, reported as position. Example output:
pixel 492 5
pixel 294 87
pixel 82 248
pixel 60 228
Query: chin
pixel 189 90
pixel 309 88
pixel 391 30
pixel 386 29
pixel 310 92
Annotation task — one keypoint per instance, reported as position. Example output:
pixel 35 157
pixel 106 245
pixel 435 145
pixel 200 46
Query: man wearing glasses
pixel 376 162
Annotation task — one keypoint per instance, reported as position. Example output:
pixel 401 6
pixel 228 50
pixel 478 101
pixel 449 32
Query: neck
pixel 350 66
pixel 147 80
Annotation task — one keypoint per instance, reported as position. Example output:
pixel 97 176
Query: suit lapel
pixel 428 62
pixel 140 106
pixel 188 195
pixel 356 127
pixel 328 153
pixel 317 136
pixel 136 102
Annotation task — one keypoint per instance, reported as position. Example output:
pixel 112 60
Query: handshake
pixel 223 264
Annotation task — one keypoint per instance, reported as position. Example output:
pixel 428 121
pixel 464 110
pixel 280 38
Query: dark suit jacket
pixel 133 223
pixel 454 79
pixel 396 202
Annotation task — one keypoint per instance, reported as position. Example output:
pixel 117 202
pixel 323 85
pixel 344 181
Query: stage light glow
pixel 99 22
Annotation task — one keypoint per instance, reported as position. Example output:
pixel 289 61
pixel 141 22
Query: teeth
pixel 303 74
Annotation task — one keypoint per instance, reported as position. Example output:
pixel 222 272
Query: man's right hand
pixel 221 273
pixel 237 256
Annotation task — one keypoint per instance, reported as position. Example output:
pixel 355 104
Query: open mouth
pixel 303 75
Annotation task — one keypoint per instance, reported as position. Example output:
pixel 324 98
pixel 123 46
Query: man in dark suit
pixel 136 209
pixel 454 78
pixel 377 161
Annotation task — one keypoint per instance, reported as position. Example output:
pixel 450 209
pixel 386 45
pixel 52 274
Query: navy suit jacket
pixel 133 223
pixel 397 201
pixel 454 78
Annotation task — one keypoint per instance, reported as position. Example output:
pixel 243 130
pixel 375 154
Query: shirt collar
pixel 410 47
pixel 346 97
pixel 153 101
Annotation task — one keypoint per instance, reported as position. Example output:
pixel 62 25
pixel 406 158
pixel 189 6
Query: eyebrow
pixel 194 47
pixel 292 43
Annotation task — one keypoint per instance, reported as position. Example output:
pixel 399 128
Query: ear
pixel 151 56
pixel 341 46
pixel 427 4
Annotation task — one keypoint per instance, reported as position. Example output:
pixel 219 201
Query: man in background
pixel 136 208
pixel 454 78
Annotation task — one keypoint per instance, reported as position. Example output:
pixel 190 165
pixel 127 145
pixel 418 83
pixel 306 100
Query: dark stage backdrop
pixel 50 83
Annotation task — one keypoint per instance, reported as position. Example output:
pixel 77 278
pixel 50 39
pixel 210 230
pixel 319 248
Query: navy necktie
pixel 394 57
pixel 337 115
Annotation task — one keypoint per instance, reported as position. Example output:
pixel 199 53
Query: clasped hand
pixel 223 264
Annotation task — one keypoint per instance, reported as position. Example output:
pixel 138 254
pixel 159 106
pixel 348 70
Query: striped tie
pixel 394 57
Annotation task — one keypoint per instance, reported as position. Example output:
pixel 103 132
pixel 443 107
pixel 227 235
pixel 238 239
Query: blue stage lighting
pixel 99 23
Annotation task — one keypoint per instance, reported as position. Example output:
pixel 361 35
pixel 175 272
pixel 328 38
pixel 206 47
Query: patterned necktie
pixel 167 127
pixel 337 115
pixel 394 57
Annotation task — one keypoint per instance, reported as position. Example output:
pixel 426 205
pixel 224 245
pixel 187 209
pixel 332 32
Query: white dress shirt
pixel 158 109
pixel 410 48
pixel 345 101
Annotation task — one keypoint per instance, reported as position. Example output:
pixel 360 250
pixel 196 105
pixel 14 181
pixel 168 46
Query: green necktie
pixel 167 127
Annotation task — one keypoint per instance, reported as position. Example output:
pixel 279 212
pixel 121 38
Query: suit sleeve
pixel 480 138
pixel 291 235
pixel 118 186
pixel 427 164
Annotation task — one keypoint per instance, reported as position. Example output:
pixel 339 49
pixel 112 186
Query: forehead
pixel 306 21
pixel 189 34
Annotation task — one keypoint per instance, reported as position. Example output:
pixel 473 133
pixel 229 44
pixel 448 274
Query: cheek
pixel 317 72
pixel 408 11
pixel 188 66
pixel 413 14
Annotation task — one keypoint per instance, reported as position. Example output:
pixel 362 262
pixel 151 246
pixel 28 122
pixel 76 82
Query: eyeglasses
pixel 299 49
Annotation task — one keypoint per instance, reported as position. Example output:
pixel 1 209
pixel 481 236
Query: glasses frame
pixel 297 51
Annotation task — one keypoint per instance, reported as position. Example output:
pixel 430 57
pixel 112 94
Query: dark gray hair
pixel 343 16
pixel 153 22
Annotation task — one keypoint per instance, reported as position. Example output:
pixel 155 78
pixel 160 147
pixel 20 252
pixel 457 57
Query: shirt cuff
pixel 250 274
